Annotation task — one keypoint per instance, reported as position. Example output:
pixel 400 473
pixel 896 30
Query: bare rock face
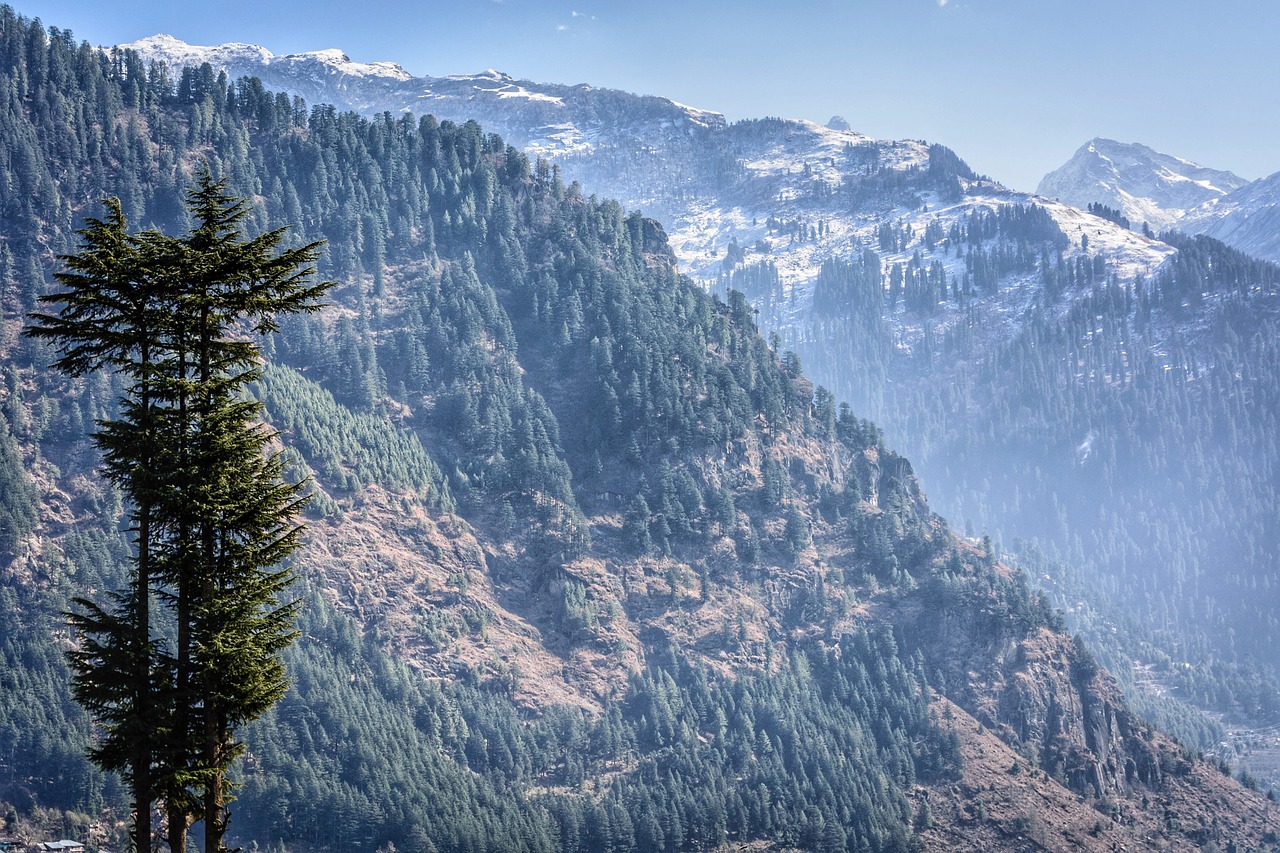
pixel 1004 802
pixel 1052 757
pixel 1042 694
pixel 1057 703
pixel 894 486
pixel 657 251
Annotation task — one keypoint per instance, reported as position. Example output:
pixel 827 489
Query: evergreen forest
pixel 1116 436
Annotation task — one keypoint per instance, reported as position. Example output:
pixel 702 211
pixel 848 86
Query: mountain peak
pixel 175 51
pixel 1142 183
pixel 332 54
pixel 158 40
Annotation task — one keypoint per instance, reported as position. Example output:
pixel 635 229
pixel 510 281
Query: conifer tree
pixel 213 517
pixel 230 509
pixel 112 314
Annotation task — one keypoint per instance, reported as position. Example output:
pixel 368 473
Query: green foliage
pixel 17 496
pixel 348 450
pixel 212 516
pixel 41 725
pixel 825 742
pixel 635 525
pixel 577 612
pixel 1109 213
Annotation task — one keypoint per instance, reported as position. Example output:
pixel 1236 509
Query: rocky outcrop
pixel 1031 685
pixel 1058 705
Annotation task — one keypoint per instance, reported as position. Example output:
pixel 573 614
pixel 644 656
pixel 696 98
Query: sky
pixel 1013 86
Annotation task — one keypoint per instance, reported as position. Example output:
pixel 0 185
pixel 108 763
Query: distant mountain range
pixel 1248 218
pixel 1169 192
pixel 1143 184
pixel 967 283
pixel 711 182
pixel 714 183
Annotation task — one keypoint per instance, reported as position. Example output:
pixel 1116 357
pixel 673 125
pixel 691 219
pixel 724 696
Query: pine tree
pixel 232 512
pixel 213 518
pixel 112 315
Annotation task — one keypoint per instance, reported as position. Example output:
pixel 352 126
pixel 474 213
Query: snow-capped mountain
pixel 238 59
pixel 1248 219
pixel 545 119
pixel 1143 184
pixel 1169 192
pixel 790 192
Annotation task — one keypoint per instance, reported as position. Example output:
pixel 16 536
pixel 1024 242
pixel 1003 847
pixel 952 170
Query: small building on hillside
pixel 63 846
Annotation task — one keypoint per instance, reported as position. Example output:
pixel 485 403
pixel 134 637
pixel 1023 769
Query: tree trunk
pixel 179 821
pixel 142 802
pixel 215 818
pixel 145 698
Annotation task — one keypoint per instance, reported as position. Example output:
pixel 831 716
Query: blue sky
pixel 1014 86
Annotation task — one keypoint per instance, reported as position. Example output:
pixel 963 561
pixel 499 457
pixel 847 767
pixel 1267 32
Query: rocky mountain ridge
pixel 1248 218
pixel 713 184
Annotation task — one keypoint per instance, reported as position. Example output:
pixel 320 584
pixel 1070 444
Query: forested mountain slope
pixel 1124 426
pixel 1029 356
pixel 591 566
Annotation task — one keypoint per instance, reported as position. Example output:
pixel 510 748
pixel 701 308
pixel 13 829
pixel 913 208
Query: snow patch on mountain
pixel 340 62
pixel 1129 254
pixel 226 57
pixel 174 51
pixel 511 90
pixel 560 140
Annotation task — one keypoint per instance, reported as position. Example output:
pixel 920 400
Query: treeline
pixel 1109 213
pixel 1204 268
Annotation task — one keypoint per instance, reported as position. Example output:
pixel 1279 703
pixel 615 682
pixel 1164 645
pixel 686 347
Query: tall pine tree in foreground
pixel 212 517
pixel 112 316
pixel 232 512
